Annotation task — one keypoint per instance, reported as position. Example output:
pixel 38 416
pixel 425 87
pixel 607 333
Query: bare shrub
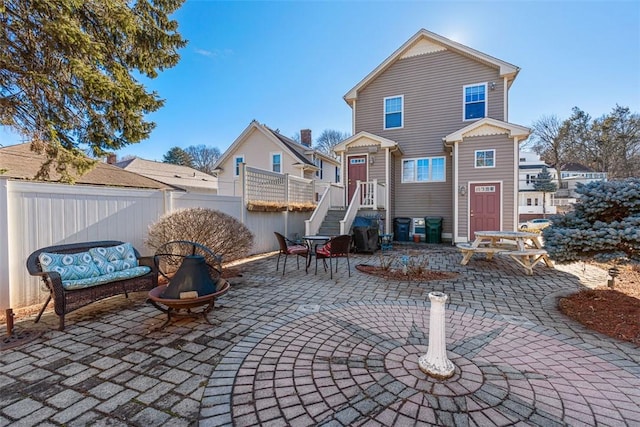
pixel 412 264
pixel 418 265
pixel 386 260
pixel 221 233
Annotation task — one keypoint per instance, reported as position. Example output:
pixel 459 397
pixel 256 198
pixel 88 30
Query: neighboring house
pixel 261 147
pixel 530 200
pixel 20 163
pixel 573 174
pixel 182 177
pixel 430 124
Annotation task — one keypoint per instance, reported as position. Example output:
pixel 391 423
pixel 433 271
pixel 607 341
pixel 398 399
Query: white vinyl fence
pixel 37 214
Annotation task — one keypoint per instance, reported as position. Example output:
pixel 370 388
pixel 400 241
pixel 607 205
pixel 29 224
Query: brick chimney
pixel 305 137
pixel 111 158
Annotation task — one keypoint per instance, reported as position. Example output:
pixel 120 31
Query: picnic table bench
pixel 524 248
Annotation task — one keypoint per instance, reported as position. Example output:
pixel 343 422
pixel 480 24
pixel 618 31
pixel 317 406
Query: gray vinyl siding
pixel 503 172
pixel 432 87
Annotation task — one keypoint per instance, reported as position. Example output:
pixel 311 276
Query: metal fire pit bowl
pixel 168 259
pixel 173 307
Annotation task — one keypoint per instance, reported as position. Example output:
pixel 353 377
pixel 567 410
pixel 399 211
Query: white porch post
pixel 387 190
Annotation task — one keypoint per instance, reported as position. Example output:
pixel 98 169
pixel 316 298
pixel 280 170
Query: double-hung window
pixel 319 164
pixel 424 169
pixel 237 161
pixel 394 112
pixel 475 101
pixel 485 158
pixel 276 162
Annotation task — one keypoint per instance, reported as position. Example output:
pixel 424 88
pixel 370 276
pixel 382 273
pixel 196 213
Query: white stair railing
pixel 352 210
pixel 312 225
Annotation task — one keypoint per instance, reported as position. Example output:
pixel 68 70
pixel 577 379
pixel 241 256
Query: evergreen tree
pixel 604 225
pixel 545 184
pixel 67 72
pixel 178 156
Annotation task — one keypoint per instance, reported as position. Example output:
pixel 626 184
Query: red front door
pixel 357 172
pixel 484 209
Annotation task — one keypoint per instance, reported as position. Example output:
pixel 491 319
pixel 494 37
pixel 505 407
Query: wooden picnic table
pixel 525 248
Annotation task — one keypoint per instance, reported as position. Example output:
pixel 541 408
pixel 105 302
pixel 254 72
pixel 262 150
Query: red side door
pixel 484 208
pixel 357 172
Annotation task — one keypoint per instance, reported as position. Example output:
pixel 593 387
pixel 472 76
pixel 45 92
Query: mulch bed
pixel 613 312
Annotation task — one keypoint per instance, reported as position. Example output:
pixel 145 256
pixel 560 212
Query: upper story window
pixel 485 158
pixel 425 169
pixel 276 162
pixel 337 174
pixel 393 112
pixel 237 160
pixel 475 101
pixel 318 162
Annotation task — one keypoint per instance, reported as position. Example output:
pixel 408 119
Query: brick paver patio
pixel 304 350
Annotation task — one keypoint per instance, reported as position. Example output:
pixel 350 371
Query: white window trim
pixel 475 159
pixel 384 112
pixel 464 101
pixel 235 164
pixel 430 170
pixel 317 161
pixel 274 153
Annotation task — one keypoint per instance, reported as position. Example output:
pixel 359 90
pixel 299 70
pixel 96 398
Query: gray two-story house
pixel 431 129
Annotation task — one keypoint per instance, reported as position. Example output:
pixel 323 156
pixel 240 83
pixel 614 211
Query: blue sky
pixel 288 63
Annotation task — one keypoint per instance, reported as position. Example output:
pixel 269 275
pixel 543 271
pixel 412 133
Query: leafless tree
pixel 203 158
pixel 328 139
pixel 548 141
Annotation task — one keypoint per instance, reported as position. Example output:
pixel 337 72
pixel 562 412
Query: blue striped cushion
pixel 114 258
pixel 70 266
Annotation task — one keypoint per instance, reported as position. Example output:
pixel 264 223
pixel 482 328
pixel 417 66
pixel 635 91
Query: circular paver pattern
pixel 356 364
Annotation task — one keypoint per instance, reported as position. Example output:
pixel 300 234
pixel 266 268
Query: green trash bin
pixel 433 226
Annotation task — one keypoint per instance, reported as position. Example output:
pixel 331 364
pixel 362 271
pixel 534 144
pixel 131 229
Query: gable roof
pixel 488 126
pixel 296 149
pixel 366 139
pixel 22 163
pixel 575 167
pixel 427 42
pixel 299 151
pixel 177 176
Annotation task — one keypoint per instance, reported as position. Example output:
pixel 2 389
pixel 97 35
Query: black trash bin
pixel 433 229
pixel 365 234
pixel 401 227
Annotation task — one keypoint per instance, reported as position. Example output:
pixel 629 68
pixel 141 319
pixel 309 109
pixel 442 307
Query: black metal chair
pixel 337 247
pixel 289 247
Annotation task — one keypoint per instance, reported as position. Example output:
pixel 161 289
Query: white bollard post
pixel 435 363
